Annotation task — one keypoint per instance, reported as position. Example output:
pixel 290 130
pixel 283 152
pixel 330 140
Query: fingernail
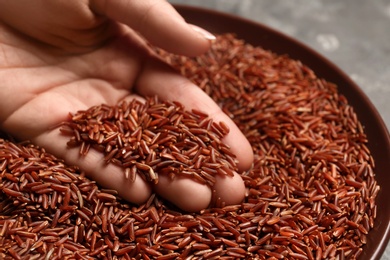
pixel 205 34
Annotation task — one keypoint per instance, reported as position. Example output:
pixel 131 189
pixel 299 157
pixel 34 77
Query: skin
pixel 63 56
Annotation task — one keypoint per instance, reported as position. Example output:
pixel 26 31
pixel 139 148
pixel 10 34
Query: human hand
pixel 58 57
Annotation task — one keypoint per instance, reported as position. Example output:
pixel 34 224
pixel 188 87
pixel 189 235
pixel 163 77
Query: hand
pixel 58 57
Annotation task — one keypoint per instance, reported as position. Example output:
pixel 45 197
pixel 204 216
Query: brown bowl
pixel 377 133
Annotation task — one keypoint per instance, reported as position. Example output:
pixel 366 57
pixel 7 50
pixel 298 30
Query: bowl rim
pixel 374 126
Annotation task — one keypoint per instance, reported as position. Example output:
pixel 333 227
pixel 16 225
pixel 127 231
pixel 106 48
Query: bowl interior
pixel 377 133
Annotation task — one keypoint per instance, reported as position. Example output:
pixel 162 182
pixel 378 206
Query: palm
pixel 40 88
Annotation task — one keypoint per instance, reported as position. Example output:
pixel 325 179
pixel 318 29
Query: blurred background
pixel 353 34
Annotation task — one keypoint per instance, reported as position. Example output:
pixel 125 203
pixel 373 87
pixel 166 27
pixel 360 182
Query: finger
pixel 93 164
pixel 158 22
pixel 159 79
pixel 185 193
pixel 192 196
pixel 229 190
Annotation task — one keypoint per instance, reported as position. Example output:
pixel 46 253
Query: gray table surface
pixel 353 34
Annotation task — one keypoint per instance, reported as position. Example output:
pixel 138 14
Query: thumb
pixel 158 22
